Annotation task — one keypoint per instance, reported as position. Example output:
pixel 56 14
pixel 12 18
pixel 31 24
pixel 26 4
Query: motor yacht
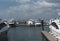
pixel 55 28
pixel 12 23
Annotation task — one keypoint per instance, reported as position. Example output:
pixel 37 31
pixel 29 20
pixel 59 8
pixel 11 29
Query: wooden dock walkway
pixel 48 36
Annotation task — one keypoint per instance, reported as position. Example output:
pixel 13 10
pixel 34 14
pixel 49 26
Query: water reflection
pixel 25 34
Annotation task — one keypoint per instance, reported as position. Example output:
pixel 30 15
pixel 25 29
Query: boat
pixel 31 22
pixel 12 23
pixel 37 23
pixel 3 23
pixel 55 28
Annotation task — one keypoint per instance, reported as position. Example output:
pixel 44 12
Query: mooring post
pixel 42 24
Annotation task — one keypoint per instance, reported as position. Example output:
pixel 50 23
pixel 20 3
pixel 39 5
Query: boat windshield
pixel 55 25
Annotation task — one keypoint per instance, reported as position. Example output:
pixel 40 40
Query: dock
pixel 48 36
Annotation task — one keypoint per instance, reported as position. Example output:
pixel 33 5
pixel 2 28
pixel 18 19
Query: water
pixel 25 34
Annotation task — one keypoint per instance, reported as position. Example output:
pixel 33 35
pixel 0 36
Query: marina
pixel 29 20
pixel 23 29
pixel 27 25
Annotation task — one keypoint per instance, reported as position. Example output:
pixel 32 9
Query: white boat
pixel 55 28
pixel 30 22
pixel 37 23
pixel 12 22
pixel 33 22
pixel 3 23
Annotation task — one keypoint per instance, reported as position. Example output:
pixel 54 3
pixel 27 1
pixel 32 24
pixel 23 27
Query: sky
pixel 22 9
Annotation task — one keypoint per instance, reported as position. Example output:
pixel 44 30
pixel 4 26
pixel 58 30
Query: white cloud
pixel 53 1
pixel 24 7
pixel 31 10
pixel 34 7
pixel 21 1
pixel 45 4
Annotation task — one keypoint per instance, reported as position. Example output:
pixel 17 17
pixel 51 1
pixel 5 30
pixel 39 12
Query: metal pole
pixel 42 24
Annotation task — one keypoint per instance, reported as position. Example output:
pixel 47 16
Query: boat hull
pixel 54 31
pixel 2 25
pixel 12 25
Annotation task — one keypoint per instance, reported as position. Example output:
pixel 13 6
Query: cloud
pixel 53 1
pixel 32 10
pixel 21 1
pixel 45 4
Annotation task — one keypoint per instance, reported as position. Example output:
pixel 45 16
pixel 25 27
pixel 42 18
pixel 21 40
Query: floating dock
pixel 48 36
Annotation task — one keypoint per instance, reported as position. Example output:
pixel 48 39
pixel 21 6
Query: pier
pixel 46 35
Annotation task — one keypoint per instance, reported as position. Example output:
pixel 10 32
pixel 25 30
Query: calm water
pixel 25 33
